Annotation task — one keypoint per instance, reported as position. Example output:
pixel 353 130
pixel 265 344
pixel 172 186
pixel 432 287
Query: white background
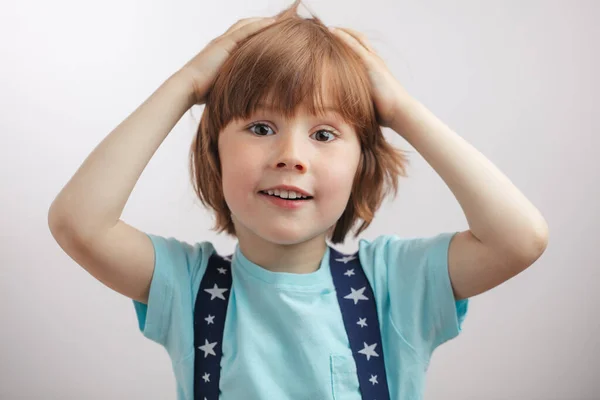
pixel 517 79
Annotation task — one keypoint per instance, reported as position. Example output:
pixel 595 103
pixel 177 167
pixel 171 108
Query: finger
pixel 240 23
pixel 361 38
pixel 247 28
pixel 353 42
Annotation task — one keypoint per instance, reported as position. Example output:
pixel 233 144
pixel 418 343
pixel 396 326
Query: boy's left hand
pixel 388 94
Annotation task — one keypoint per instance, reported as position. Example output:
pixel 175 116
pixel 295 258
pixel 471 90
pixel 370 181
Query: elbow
pixel 536 244
pixel 60 221
pixel 56 221
pixel 540 241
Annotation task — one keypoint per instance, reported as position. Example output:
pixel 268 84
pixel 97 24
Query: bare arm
pixel 94 198
pixel 507 233
pixel 85 216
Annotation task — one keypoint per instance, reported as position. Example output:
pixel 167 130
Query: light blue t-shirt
pixel 284 334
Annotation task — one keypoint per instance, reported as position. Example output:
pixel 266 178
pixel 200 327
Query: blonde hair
pixel 291 53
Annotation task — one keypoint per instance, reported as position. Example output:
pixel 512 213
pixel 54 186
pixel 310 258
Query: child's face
pixel 296 152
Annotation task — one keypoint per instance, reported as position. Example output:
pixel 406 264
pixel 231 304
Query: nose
pixel 291 154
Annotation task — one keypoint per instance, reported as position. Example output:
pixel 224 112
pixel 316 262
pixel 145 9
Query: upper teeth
pixel 286 194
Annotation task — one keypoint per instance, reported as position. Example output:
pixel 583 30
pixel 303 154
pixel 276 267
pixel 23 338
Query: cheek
pixel 342 169
pixel 239 173
pixel 337 180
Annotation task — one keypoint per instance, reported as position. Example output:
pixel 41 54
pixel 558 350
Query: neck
pixel 298 258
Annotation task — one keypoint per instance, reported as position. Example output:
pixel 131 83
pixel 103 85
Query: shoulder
pixel 176 247
pixel 178 269
pixel 409 268
pixel 180 259
pixel 414 273
pixel 392 250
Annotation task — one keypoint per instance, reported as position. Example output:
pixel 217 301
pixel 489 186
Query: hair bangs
pixel 295 63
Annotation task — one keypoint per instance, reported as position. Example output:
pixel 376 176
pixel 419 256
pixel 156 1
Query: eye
pixel 261 125
pixel 331 133
pixel 263 130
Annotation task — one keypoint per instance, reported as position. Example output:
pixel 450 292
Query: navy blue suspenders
pixel 357 306
pixel 209 324
pixel 359 312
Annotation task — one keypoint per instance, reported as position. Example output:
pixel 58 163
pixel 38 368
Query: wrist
pixel 184 85
pixel 405 105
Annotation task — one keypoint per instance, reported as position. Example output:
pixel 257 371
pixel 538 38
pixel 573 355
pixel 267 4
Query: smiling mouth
pixel 283 198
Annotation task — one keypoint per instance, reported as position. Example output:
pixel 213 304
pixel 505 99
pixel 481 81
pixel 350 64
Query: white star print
pixel 369 351
pixel 216 292
pixel 206 378
pixel 345 259
pixel 222 270
pixel 350 272
pixel 208 348
pixel 373 379
pixel 362 322
pixel 210 319
pixel 356 295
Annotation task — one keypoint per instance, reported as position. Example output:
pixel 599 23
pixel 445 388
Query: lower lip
pixel 287 204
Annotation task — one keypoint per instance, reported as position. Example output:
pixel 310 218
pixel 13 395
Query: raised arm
pixel 85 216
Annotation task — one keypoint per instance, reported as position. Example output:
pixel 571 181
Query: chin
pixel 286 235
pixel 282 234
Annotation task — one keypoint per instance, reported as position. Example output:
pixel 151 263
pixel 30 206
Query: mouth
pixel 290 204
pixel 304 198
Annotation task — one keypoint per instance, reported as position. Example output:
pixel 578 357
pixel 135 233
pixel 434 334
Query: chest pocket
pixel 344 379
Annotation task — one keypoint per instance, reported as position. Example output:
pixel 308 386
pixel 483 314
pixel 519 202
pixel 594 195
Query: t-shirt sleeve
pixel 170 302
pixel 421 301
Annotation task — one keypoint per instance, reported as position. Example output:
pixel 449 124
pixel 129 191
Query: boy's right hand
pixel 201 70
